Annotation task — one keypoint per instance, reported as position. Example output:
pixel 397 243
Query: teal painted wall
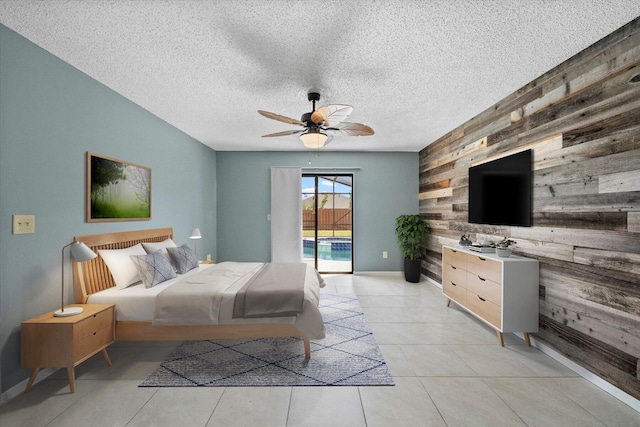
pixel 385 186
pixel 51 114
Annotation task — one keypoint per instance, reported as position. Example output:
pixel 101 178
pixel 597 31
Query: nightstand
pixel 65 342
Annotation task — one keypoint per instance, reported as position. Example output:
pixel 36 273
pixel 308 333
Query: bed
pixel 94 283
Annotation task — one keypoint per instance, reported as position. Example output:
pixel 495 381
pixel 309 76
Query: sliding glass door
pixel 327 226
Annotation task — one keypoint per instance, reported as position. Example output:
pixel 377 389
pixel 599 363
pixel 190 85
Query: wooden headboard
pixel 93 275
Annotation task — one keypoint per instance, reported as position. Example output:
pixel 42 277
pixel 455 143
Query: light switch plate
pixel 24 224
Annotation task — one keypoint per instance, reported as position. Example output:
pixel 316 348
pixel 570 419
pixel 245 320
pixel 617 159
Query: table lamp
pixel 195 235
pixel 81 253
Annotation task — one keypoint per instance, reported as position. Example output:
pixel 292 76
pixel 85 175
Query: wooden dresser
pixel 502 292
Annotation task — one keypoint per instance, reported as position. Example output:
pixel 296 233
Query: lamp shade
pixel 195 234
pixel 81 253
pixel 313 139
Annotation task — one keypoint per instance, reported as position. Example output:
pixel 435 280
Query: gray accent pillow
pixel 183 258
pixel 153 268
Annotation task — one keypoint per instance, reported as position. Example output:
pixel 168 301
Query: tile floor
pixel 448 368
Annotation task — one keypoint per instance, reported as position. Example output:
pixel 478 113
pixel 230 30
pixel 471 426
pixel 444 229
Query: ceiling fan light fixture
pixel 313 139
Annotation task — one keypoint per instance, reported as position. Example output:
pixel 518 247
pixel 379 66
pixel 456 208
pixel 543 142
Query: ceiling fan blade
pixel 280 118
pixel 350 129
pixel 283 133
pixel 331 115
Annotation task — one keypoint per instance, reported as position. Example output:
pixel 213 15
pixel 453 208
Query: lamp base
pixel 69 311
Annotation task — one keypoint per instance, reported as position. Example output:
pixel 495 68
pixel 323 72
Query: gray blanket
pixel 277 290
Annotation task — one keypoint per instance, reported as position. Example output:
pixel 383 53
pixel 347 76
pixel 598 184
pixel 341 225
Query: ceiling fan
pixel 320 125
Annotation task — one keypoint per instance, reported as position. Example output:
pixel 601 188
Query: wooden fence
pixel 328 219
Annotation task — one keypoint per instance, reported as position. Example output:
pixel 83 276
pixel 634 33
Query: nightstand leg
pixel 32 378
pixel 527 340
pixel 71 373
pixel 500 338
pixel 106 356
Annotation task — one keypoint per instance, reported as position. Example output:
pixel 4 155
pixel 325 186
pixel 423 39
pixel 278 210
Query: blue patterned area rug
pixel 347 356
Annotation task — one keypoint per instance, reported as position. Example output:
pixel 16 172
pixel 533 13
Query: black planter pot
pixel 412 270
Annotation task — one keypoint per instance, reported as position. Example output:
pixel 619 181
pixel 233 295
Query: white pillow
pixel 152 247
pixel 122 268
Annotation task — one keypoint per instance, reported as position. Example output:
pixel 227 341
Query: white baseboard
pixel 379 273
pixel 19 388
pixel 586 374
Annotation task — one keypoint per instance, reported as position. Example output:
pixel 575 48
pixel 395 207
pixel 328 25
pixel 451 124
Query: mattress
pixel 138 303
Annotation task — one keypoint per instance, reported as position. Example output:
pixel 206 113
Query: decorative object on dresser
pixel 502 292
pixel 48 341
pixel 81 253
pixel 195 236
pixel 413 234
pixel 502 247
pixel 464 240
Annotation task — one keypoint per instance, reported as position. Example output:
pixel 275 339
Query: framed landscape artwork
pixel 117 190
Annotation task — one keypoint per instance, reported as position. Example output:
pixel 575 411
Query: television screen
pixel 500 191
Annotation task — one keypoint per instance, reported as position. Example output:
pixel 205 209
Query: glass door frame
pixel 316 177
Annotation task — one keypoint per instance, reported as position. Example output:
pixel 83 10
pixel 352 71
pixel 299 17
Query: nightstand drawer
pixel 485 267
pixel 92 324
pixel 88 345
pixel 485 309
pixel 487 289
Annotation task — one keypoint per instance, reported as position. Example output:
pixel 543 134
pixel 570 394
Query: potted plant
pixel 464 240
pixel 502 247
pixel 413 234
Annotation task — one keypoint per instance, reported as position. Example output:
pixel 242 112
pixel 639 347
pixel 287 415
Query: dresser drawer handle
pixel 482 259
pixel 481 299
pixel 454 267
pixel 484 280
pixel 453 284
pixel 94 333
pixel 454 251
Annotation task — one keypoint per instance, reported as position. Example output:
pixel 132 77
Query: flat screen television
pixel 500 191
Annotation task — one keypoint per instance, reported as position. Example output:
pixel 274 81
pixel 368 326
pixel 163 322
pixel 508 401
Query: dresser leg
pixel 32 378
pixel 448 302
pixel 71 374
pixel 527 340
pixel 500 338
pixel 106 356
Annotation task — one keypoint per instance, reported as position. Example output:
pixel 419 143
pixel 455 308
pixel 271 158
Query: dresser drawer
pixel 454 291
pixel 456 274
pixel 484 267
pixel 92 324
pixel 455 258
pixel 487 289
pixel 88 345
pixel 485 309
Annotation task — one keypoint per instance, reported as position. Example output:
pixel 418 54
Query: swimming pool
pixel 329 248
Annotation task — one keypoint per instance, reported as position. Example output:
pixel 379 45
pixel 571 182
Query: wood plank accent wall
pixel 582 120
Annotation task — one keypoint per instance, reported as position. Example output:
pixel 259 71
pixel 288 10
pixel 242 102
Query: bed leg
pixel 307 348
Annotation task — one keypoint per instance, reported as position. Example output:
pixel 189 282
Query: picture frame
pixel 117 190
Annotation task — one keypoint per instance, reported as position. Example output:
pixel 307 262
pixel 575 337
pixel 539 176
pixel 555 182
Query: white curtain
pixel 286 214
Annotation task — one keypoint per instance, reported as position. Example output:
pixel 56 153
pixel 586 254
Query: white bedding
pixel 137 303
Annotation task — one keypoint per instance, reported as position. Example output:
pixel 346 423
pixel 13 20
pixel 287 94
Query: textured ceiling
pixel 412 70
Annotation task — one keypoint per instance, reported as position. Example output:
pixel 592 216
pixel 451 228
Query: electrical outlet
pixel 24 224
pixel 385 254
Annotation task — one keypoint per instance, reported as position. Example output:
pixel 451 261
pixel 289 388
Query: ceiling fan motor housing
pixel 313 96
